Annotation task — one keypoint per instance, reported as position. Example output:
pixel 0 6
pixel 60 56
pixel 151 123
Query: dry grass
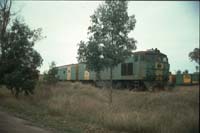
pixel 73 107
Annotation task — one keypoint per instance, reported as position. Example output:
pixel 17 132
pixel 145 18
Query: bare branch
pixel 5 7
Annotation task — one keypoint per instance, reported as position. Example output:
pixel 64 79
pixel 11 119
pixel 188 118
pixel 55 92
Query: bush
pixel 51 76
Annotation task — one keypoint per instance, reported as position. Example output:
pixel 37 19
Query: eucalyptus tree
pixel 195 56
pixel 109 35
pixel 110 28
pixel 19 61
pixel 90 53
pixel 5 7
pixel 50 77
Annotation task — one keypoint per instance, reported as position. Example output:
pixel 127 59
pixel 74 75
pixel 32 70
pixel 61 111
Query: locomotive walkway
pixel 11 124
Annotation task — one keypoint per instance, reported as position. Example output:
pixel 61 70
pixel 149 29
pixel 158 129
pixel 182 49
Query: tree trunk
pixel 17 93
pixel 111 85
pixel 97 78
pixel 12 91
pixel 5 15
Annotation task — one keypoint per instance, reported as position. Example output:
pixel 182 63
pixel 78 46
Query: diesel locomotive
pixel 142 70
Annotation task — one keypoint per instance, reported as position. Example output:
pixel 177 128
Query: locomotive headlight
pixel 159 65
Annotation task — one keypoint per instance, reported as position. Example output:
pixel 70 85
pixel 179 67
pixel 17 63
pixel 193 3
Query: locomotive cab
pixel 157 67
pixel 154 66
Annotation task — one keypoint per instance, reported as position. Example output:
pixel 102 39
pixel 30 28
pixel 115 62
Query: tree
pixel 195 56
pixel 90 53
pixel 19 61
pixel 110 28
pixel 178 72
pixel 51 76
pixel 186 72
pixel 197 68
pixel 5 6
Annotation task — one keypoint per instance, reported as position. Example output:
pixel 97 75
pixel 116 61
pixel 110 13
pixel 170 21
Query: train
pixel 184 79
pixel 142 70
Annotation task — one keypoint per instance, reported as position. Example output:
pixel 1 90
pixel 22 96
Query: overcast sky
pixel 170 26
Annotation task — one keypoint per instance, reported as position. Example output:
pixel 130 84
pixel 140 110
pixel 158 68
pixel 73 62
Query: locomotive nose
pixel 159 70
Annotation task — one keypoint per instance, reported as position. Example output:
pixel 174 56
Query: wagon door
pixel 68 72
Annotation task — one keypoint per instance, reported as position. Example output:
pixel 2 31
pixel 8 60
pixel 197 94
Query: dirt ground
pixel 11 124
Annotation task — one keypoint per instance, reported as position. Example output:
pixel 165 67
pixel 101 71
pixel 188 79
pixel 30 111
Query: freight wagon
pixel 184 79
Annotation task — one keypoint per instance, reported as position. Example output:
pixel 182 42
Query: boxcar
pixel 184 79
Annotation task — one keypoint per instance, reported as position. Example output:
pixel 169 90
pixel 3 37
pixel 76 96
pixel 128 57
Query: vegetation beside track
pixel 74 107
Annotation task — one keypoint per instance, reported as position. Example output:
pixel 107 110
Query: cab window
pixel 164 59
pixel 158 58
pixel 149 57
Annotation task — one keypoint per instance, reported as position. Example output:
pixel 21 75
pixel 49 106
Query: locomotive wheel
pixel 137 86
pixel 153 86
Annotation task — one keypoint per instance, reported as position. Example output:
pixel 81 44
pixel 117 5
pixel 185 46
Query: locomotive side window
pixel 136 58
pixel 150 57
pixel 126 69
pixel 130 69
pixel 123 69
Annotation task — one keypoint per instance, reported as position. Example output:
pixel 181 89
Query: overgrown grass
pixel 74 107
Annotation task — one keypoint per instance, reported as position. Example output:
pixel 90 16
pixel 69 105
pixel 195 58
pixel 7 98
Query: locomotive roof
pixel 150 51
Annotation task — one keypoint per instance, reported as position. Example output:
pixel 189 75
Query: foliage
pixel 90 54
pixel 178 72
pixel 195 55
pixel 5 6
pixel 50 76
pixel 108 43
pixel 186 72
pixel 19 61
pixel 197 68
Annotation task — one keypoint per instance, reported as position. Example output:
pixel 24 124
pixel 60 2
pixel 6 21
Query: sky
pixel 170 26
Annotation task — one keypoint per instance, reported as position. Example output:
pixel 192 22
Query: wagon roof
pixel 64 66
